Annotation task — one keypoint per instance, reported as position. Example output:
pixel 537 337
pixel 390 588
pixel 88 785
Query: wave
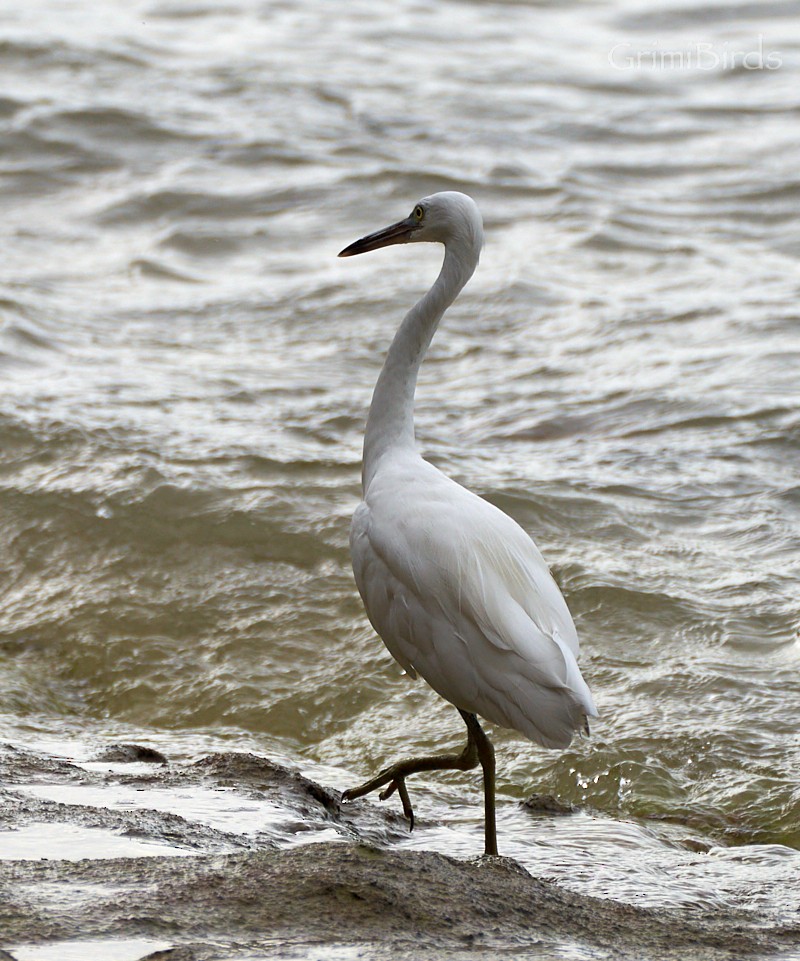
pixel 113 126
pixel 705 14
pixel 200 205
pixel 33 161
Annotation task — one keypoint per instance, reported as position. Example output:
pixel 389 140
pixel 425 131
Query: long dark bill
pixel 399 233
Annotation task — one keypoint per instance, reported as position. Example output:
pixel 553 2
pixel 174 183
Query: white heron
pixel 456 589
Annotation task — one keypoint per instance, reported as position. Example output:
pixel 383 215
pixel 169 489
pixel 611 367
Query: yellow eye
pixel 419 213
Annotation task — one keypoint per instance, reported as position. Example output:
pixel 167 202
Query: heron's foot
pixel 399 785
pixel 394 778
pixel 396 782
pixel 478 750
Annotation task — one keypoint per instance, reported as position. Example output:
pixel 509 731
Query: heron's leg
pixel 478 749
pixel 485 750
pixel 395 776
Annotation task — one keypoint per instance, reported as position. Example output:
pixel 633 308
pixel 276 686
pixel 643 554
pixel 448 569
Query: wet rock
pixel 240 896
pixel 130 754
pixel 268 778
pixel 313 803
pixel 547 804
pixel 18 765
pixel 147 825
pixel 172 954
pixel 381 903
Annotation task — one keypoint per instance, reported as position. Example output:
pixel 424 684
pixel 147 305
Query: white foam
pixel 220 808
pixel 128 950
pixel 71 842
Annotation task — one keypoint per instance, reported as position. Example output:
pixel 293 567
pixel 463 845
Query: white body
pixel 456 589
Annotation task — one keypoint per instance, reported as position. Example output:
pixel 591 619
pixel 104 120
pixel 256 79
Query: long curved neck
pixel 390 424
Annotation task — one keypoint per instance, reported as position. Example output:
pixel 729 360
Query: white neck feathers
pixel 390 424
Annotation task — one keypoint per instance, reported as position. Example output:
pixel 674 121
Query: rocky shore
pixel 192 891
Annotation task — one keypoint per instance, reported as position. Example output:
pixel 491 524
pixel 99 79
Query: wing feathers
pixel 460 594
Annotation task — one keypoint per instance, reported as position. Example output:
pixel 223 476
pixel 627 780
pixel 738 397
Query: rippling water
pixel 185 369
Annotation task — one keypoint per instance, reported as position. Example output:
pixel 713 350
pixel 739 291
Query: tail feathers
pixel 548 716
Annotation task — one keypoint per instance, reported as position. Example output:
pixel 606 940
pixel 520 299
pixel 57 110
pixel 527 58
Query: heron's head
pixel 449 218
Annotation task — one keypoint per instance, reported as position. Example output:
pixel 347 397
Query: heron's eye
pixel 419 213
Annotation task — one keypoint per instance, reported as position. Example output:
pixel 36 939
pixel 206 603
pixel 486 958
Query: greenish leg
pixel 478 750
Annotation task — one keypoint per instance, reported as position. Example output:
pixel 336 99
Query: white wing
pixel 460 594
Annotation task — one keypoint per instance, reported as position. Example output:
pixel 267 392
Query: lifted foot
pixel 478 749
